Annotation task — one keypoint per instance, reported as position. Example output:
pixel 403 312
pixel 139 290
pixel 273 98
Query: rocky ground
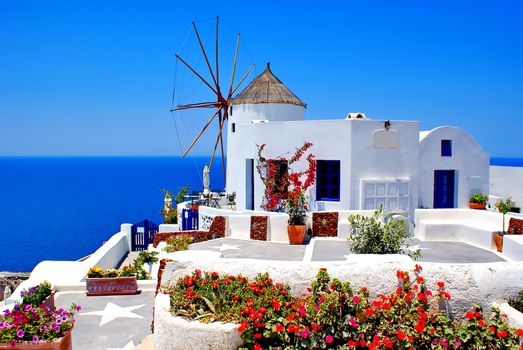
pixel 11 279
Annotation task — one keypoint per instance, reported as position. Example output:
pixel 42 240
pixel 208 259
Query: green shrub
pixel 35 296
pixel 371 236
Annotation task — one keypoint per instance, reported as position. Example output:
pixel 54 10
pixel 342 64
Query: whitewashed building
pixel 363 163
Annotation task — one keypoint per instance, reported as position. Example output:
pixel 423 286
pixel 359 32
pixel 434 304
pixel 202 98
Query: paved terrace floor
pixel 109 322
pixel 337 250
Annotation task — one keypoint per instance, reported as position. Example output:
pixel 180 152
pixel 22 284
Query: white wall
pixel 265 111
pixel 350 141
pixel 507 182
pixel 468 159
pixel 63 273
pixel 372 163
pixel 331 141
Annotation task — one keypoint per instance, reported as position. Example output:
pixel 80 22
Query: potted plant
pixel 148 258
pixel 503 207
pixel 111 282
pixel 478 201
pixel 39 295
pixel 285 189
pixel 28 327
pixel 296 208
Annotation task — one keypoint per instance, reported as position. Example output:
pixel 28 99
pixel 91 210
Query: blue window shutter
pixel 328 180
pixel 446 148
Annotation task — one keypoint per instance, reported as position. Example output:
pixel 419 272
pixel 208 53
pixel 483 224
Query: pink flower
pixel 329 339
pixel 356 299
pixel 304 334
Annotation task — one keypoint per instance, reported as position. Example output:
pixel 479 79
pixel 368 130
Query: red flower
pixel 279 328
pixel 257 335
pixel 401 335
pixel 369 311
pixel 419 327
pixel 469 315
pixel 520 332
pixel 441 284
pixel 329 339
pixel 481 323
pixel 502 334
pixel 257 346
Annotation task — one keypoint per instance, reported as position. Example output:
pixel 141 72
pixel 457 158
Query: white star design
pixel 113 311
pixel 128 346
pixel 226 247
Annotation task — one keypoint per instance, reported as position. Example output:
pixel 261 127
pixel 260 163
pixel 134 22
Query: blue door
pixel 444 188
pixel 249 184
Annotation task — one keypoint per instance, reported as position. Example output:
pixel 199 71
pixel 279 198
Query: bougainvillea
pixel 333 315
pixel 284 187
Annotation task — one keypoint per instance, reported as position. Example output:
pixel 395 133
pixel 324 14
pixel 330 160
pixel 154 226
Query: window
pixel 328 180
pixel 446 148
pixel 392 194
pixel 233 127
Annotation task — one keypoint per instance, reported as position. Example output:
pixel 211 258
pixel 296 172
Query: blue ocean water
pixel 64 208
pixel 506 161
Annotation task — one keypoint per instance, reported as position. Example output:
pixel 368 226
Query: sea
pixel 64 208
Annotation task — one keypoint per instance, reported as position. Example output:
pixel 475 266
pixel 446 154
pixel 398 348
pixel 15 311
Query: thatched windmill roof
pixel 266 88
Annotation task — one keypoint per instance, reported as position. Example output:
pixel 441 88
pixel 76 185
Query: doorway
pixel 444 188
pixel 249 184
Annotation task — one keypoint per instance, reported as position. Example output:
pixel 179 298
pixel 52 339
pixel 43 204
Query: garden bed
pixel 176 333
pixel 334 314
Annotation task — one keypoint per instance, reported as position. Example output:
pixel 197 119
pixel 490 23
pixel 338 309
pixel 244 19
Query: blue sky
pixel 96 77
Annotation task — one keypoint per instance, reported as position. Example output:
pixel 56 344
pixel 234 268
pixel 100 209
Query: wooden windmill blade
pixel 221 103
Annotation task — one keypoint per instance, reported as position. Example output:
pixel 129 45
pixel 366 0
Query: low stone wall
pixel 176 333
pixel 467 283
pixel 11 280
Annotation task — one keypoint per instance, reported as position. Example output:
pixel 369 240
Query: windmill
pixel 219 103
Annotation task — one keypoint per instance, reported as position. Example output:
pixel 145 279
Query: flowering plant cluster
pixel 134 269
pixel 35 296
pixel 479 198
pixel 333 315
pixel 285 188
pixel 178 243
pixel 26 323
pixel 210 297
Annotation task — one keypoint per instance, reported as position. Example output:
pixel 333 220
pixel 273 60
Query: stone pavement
pixel 336 250
pixel 109 322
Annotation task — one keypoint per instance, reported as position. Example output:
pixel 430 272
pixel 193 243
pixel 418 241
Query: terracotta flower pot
pixel 498 239
pixel 64 343
pixel 49 301
pixel 296 233
pixel 479 206
pixel 111 286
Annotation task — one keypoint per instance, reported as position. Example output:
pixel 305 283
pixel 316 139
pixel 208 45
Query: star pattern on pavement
pixel 113 311
pixel 225 246
pixel 128 346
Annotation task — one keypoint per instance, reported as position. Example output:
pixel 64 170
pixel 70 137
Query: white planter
pixel 176 333
pixel 514 317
